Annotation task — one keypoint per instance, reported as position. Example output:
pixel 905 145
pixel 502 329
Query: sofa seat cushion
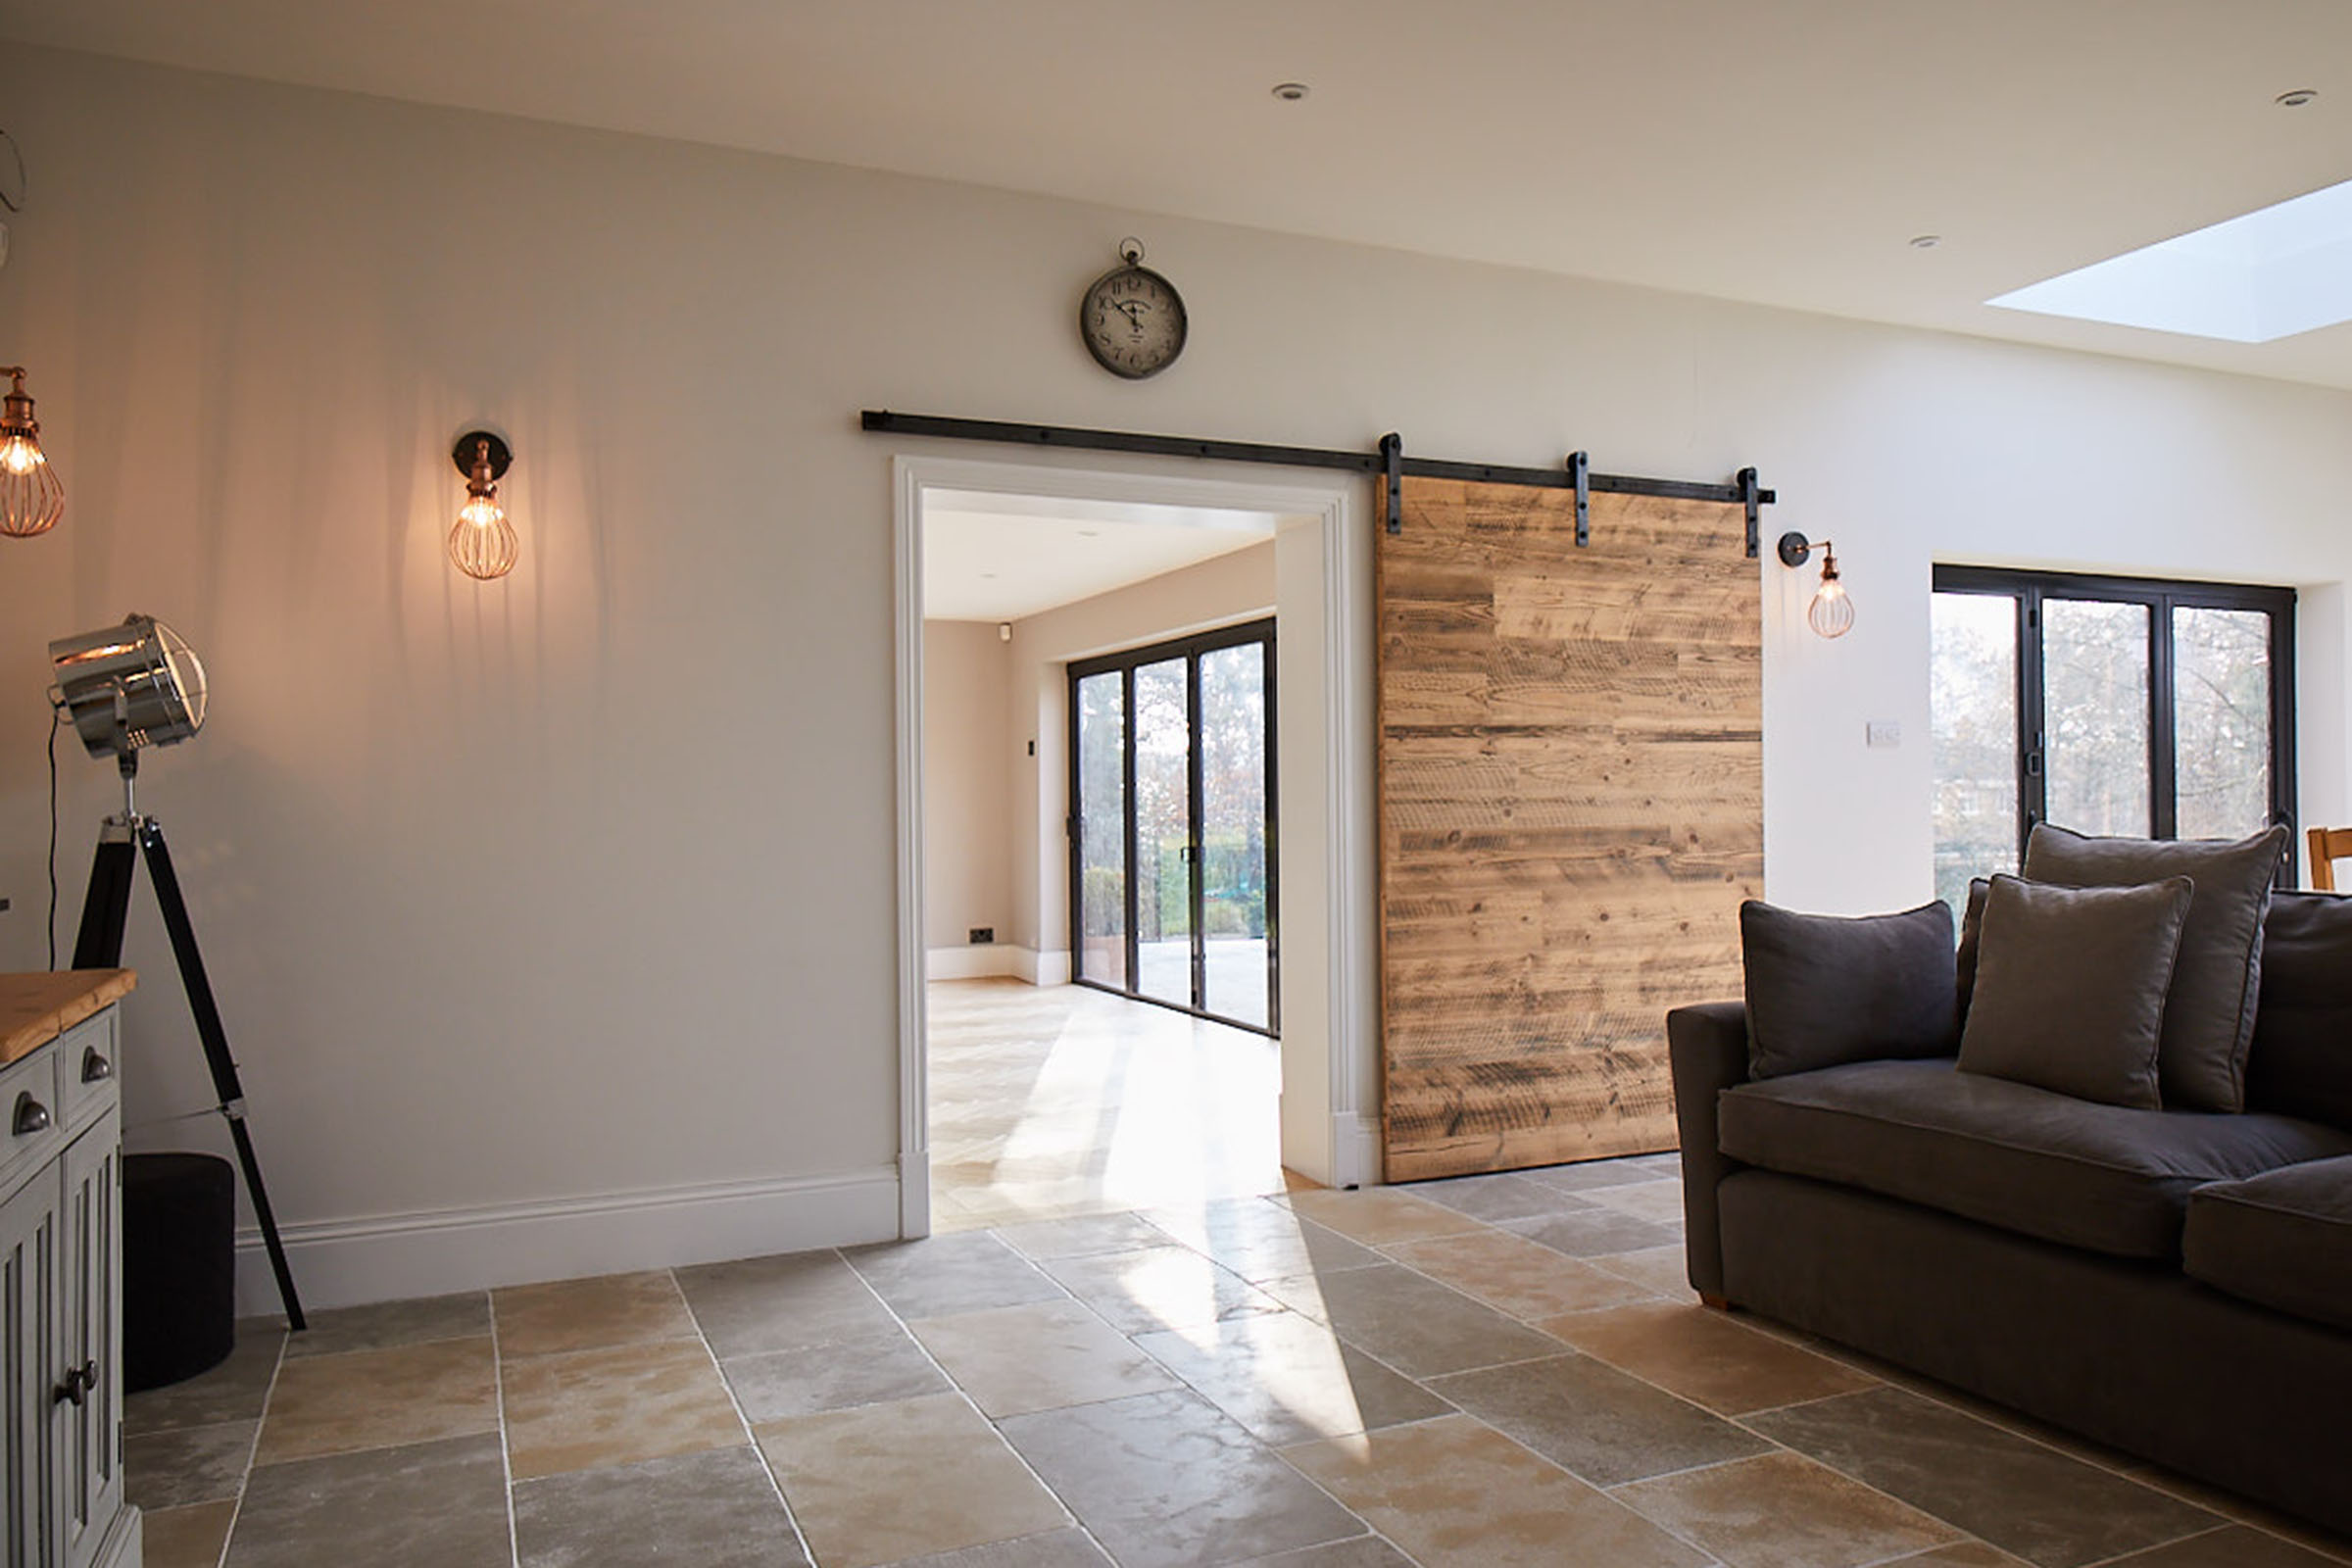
pixel 2111 1178
pixel 2283 1239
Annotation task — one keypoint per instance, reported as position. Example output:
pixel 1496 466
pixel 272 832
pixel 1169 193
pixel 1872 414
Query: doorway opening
pixel 1174 885
pixel 1120 964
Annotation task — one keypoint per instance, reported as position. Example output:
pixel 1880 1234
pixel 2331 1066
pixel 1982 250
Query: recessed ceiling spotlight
pixel 1926 242
pixel 1090 533
pixel 2297 98
pixel 1290 92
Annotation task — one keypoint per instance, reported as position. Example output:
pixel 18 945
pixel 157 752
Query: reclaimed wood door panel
pixel 1571 809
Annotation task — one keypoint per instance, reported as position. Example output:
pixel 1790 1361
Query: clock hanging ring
pixel 1131 318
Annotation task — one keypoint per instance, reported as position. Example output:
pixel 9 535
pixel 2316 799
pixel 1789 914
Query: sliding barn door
pixel 1571 809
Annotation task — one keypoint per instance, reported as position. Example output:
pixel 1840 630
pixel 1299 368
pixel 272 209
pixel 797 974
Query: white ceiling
pixel 1003 557
pixel 1778 151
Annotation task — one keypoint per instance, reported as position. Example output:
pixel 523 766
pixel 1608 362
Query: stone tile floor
pixel 1499 1371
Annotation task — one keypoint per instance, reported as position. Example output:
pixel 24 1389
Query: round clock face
pixel 1133 322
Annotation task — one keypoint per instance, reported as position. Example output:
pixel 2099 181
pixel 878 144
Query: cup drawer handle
pixel 95 1069
pixel 31 1116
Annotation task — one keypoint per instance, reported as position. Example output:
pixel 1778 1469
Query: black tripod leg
pixel 209 1029
pixel 107 908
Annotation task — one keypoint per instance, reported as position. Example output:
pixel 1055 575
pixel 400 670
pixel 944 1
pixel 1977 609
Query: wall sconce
pixel 1831 613
pixel 483 544
pixel 31 499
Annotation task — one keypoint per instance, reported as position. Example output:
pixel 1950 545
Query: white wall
pixel 967 779
pixel 1227 588
pixel 554 920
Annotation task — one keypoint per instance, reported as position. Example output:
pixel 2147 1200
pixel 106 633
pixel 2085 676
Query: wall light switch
pixel 1886 732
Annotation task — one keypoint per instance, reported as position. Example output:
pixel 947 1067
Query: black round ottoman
pixel 179 1267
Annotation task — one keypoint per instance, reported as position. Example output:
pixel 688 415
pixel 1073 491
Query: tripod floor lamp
pixel 128 688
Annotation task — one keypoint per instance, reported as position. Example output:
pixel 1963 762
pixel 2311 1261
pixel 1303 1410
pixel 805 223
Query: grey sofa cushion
pixel 2209 1015
pixel 2071 983
pixel 2283 1239
pixel 2104 1177
pixel 2300 1062
pixel 1824 989
pixel 1972 938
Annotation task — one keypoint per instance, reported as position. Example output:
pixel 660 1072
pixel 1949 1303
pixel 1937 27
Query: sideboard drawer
pixel 32 1121
pixel 86 1059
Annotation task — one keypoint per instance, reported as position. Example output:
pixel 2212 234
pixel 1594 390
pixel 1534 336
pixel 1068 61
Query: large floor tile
pixel 380 1400
pixel 2026 1499
pixel 1261 1240
pixel 187 1538
pixel 438 1503
pixel 1416 1325
pixel 1663 1270
pixel 787 1302
pixel 714 1510
pixel 593 1410
pixel 1375 1215
pixel 1164 1287
pixel 1593 1232
pixel 1288 1378
pixel 1505 1196
pixel 234 1391
pixel 1164 1481
pixel 2233 1547
pixel 1364 1551
pixel 1706 1357
pixel 970 1272
pixel 1586 1174
pixel 1595 1420
pixel 1060 1549
pixel 1015 1360
pixel 1781 1512
pixel 1083 1235
pixel 1660 1203
pixel 832 1377
pixel 1524 1278
pixel 389 1325
pixel 186 1465
pixel 1961 1555
pixel 1458 1494
pixel 888 1482
pixel 590 1314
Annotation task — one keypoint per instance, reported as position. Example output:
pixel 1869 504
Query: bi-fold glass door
pixel 1172 882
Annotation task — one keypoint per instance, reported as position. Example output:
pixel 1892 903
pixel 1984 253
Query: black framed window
pixel 1172 824
pixel 2127 706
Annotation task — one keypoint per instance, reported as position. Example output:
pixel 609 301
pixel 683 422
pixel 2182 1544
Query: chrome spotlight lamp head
pixel 129 687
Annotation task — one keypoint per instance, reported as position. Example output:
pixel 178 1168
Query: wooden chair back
pixel 2328 845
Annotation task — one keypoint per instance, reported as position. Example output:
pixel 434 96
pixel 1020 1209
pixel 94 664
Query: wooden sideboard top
pixel 35 1008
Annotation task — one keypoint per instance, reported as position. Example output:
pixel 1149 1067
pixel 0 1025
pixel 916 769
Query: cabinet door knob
pixel 79 1384
pixel 31 1116
pixel 95 1069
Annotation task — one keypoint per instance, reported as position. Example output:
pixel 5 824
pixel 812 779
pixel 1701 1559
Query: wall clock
pixel 1132 319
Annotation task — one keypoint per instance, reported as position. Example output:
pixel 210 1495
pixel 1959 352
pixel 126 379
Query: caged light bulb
pixel 484 545
pixel 31 499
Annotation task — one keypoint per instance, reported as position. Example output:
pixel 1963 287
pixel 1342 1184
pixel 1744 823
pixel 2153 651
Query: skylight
pixel 2269 274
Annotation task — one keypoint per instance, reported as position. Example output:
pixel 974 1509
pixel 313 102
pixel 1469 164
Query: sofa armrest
pixel 1707 1046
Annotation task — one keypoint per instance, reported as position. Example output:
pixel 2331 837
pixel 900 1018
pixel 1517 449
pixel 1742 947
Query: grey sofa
pixel 2174 1284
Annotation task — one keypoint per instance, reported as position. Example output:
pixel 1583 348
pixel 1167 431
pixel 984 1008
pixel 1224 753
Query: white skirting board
pixel 991 960
pixel 1356 1150
pixel 347 1262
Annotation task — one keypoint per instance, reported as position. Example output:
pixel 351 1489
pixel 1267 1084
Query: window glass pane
pixel 2094 682
pixel 1233 831
pixel 1102 829
pixel 2222 721
pixel 1972 713
pixel 1164 833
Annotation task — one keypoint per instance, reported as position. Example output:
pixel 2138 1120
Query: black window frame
pixel 1127 660
pixel 2161 596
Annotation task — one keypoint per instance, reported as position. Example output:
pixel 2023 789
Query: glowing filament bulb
pixel 31 499
pixel 1832 613
pixel 483 544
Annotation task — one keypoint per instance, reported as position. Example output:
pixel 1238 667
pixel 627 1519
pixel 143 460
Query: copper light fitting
pixel 483 544
pixel 31 499
pixel 1832 613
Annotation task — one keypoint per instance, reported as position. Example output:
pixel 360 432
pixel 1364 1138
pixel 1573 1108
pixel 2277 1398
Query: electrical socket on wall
pixel 1885 733
pixel 983 934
